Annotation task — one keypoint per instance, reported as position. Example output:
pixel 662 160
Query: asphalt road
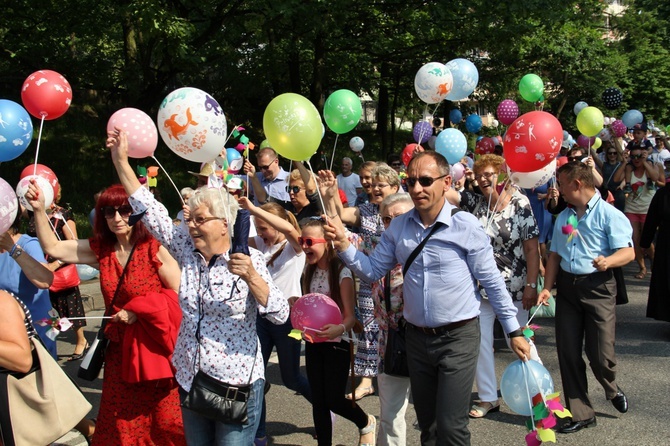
pixel 643 355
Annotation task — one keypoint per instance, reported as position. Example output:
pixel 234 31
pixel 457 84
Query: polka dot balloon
pixel 612 98
pixel 141 130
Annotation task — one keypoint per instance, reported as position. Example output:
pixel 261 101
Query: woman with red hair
pixel 138 406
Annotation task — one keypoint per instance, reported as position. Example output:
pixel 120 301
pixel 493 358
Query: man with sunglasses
pixel 441 297
pixel 270 181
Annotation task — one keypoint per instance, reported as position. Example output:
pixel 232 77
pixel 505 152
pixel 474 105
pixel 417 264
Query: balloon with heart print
pixel 43 184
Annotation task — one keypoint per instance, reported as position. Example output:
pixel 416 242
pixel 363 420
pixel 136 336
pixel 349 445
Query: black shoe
pixel 576 426
pixel 620 401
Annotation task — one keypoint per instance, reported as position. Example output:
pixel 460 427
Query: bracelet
pixel 11 253
pixel 344 329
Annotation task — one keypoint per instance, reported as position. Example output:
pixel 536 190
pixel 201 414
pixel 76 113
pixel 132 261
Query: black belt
pixel 602 275
pixel 442 329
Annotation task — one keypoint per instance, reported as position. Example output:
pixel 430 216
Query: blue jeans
pixel 288 351
pixel 201 431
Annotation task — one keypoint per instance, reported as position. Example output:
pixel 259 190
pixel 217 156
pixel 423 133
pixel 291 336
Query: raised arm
pixel 117 143
pixel 276 222
pixel 331 198
pixel 307 177
pixel 259 191
pixel 68 251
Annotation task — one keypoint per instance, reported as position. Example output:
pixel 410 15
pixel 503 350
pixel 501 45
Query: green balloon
pixel 590 121
pixel 667 130
pixel 342 111
pixel 265 144
pixel 293 126
pixel 531 87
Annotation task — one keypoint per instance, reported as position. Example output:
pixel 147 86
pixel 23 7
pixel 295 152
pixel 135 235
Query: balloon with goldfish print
pixel 192 124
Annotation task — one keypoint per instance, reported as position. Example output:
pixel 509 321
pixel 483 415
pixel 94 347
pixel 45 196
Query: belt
pixel 603 275
pixel 442 329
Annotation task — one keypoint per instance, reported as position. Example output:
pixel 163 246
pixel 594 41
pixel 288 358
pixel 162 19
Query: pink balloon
pixel 507 111
pixel 619 128
pixel 142 132
pixel 9 206
pixel 457 171
pixel 585 141
pixel 313 311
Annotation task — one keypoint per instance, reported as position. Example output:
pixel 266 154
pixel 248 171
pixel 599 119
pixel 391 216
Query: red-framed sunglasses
pixel 310 241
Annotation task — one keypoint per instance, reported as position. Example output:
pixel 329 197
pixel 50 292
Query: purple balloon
pixel 422 131
pixel 507 111
pixel 585 141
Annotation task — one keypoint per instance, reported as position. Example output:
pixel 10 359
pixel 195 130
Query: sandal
pixel 369 429
pixel 642 274
pixel 481 409
pixel 76 356
pixel 361 393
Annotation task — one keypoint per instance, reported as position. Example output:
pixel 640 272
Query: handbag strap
pixel 418 249
pixel 387 292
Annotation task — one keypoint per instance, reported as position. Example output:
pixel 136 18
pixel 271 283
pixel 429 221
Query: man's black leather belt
pixel 442 329
pixel 598 275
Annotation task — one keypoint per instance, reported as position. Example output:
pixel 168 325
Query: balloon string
pixel 169 178
pixel 230 135
pixel 530 402
pixel 318 190
pixel 39 140
pixel 332 158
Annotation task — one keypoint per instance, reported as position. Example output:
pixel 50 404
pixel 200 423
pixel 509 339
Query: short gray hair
pixel 346 158
pixel 219 202
pixel 186 192
pixel 400 197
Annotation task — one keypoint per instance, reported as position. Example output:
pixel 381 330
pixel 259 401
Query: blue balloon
pixel 521 381
pixel 466 78
pixel 455 116
pixel 235 160
pixel 473 123
pixel 632 117
pixel 16 130
pixel 452 144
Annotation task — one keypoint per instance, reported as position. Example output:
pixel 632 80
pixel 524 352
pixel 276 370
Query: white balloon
pixel 530 180
pixel 43 184
pixel 433 82
pixel 496 123
pixel 356 143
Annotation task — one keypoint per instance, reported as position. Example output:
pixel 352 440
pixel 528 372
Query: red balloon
pixel 409 151
pixel 532 141
pixel 47 94
pixel 561 160
pixel 44 172
pixel 484 146
pixel 313 311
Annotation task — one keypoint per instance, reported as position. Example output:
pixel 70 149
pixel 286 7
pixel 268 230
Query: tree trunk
pixel 383 107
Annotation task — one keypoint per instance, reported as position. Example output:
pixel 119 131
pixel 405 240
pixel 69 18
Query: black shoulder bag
pixel 95 357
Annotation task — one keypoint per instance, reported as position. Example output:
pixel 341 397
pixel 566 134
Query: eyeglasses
pixel 637 157
pixel 124 211
pixel 379 185
pixel 484 175
pixel 389 218
pixel 199 221
pixel 423 181
pixel 294 189
pixel 268 166
pixel 310 241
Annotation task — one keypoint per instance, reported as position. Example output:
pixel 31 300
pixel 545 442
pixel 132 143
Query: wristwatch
pixel 532 285
pixel 17 252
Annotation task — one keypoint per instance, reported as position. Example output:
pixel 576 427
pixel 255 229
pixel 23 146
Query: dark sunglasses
pixel 423 181
pixel 637 157
pixel 611 153
pixel 268 166
pixel 310 241
pixel 294 189
pixel 572 159
pixel 110 211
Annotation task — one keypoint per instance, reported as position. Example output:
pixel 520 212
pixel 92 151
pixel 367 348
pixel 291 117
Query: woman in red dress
pixel 133 411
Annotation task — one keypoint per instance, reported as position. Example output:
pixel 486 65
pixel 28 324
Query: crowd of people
pixel 197 298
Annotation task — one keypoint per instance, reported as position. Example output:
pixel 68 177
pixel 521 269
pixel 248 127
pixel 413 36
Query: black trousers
pixel 585 316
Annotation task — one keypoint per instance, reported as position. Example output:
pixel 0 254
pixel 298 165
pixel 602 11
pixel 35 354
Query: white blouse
pixel 229 347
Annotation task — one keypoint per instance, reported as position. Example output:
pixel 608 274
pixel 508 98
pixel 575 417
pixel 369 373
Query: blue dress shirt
pixel 603 230
pixel 275 188
pixel 441 285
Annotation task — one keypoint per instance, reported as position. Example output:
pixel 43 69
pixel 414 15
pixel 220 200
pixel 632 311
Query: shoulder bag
pixel 95 356
pixel 39 407
pixel 66 276
pixel 395 353
pixel 214 399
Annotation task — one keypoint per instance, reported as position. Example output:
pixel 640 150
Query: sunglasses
pixel 199 221
pixel 423 181
pixel 637 157
pixel 268 166
pixel 294 189
pixel 124 211
pixel 310 241
pixel 572 159
pixel 611 153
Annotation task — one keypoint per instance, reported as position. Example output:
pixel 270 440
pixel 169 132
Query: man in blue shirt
pixel 590 238
pixel 441 297
pixel 272 179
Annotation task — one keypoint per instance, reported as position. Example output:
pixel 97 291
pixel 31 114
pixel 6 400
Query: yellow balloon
pixel 293 126
pixel 590 121
pixel 597 143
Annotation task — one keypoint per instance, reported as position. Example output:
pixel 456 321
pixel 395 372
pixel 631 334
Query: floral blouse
pixel 229 349
pixel 508 229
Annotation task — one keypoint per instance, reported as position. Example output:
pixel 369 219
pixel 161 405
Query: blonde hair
pixel 387 173
pixel 279 211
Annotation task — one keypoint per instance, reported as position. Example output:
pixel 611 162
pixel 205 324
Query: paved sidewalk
pixel 643 354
